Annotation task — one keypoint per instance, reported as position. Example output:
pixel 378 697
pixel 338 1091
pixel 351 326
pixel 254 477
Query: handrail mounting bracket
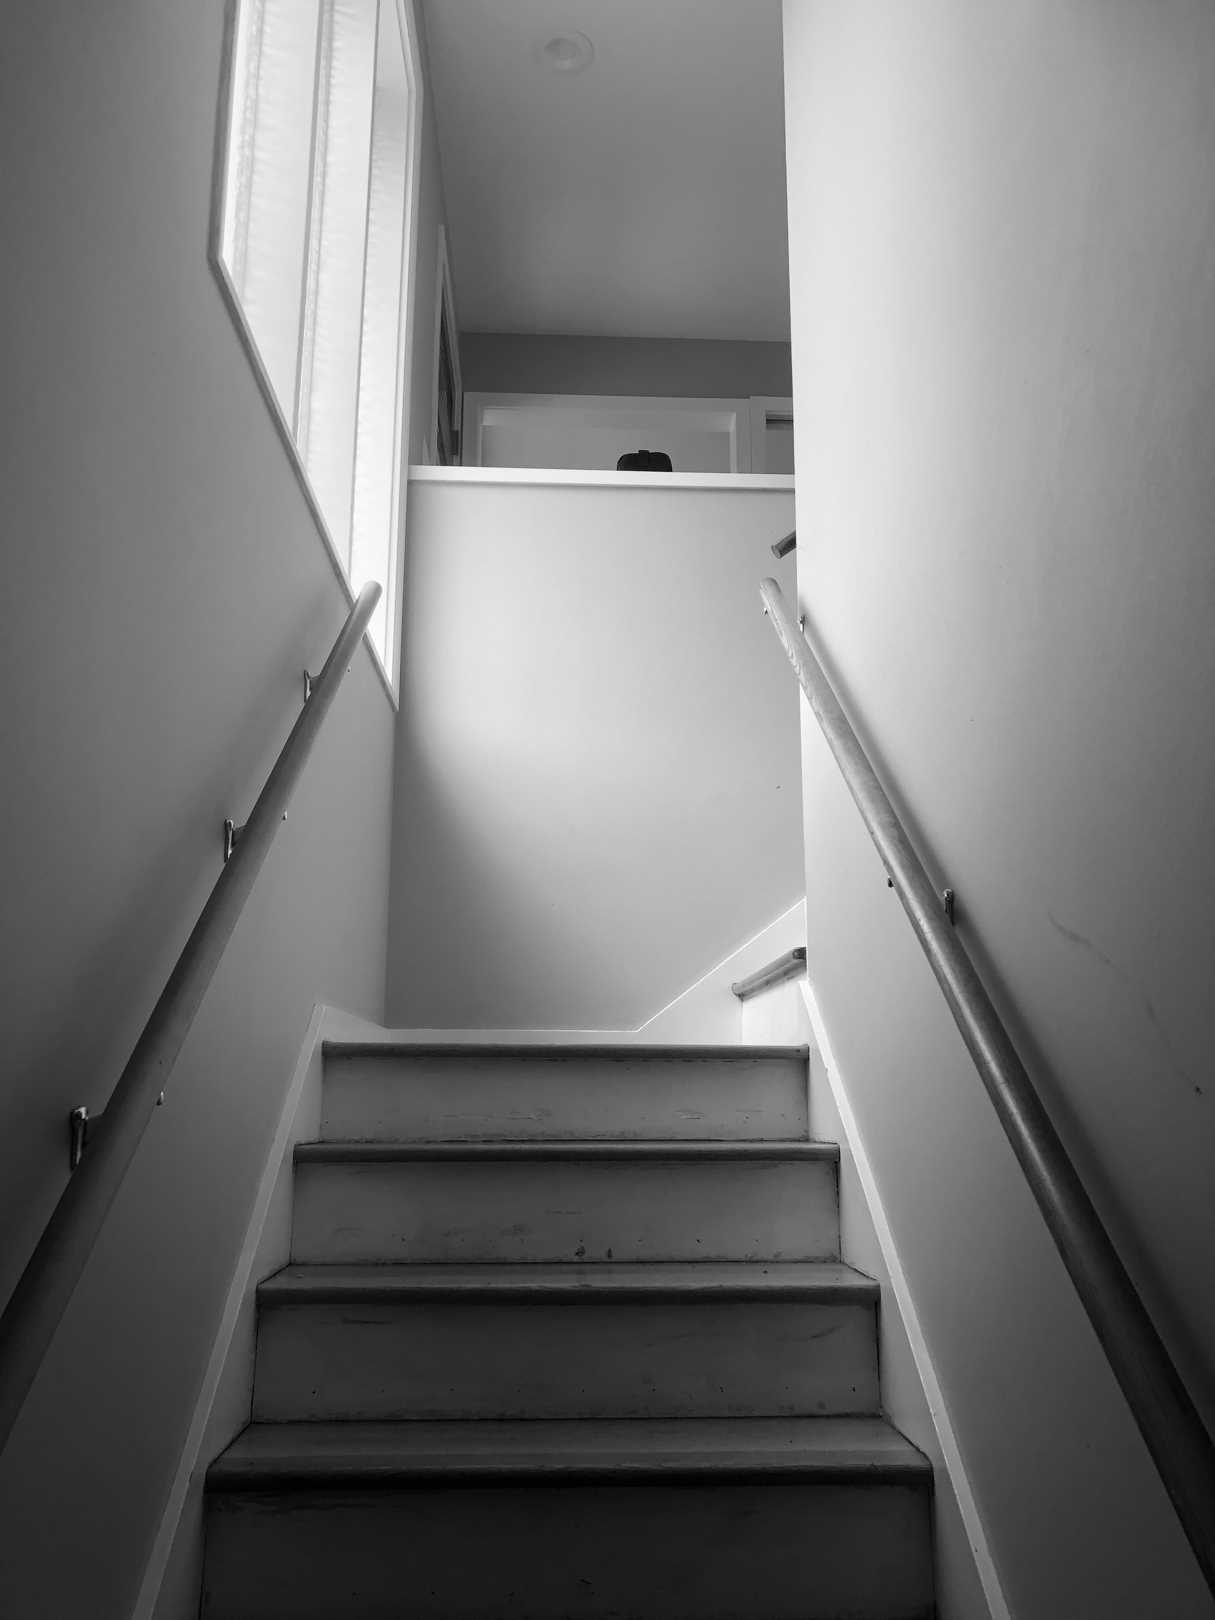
pixel 78 1135
pixel 231 833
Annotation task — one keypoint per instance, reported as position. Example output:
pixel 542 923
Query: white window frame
pixel 407 21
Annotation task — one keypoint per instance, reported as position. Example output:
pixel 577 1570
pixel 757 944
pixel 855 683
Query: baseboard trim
pixel 968 1507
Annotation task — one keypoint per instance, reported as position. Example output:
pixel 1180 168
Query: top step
pixel 389 1091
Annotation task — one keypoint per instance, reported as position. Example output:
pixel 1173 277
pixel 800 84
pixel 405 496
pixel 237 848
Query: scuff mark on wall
pixel 1142 999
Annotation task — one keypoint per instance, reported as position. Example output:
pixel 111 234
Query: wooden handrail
pixel 49 1280
pixel 1168 1419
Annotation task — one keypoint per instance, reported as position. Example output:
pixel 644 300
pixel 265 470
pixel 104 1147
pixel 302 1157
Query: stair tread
pixel 559 1052
pixel 821 1280
pixel 532 1149
pixel 361 1453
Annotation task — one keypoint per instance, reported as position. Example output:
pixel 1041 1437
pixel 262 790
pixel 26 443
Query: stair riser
pixel 533 1211
pixel 538 1359
pixel 466 1098
pixel 691 1552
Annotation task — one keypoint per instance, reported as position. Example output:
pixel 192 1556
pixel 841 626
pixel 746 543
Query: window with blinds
pixel 314 243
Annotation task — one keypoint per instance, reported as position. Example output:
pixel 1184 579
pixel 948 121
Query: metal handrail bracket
pixel 1180 1446
pixel 38 1302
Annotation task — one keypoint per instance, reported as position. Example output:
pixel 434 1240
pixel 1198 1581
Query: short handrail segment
pixel 49 1280
pixel 1180 1446
pixel 789 966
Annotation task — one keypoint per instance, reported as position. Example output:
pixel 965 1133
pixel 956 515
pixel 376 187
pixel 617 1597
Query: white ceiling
pixel 643 197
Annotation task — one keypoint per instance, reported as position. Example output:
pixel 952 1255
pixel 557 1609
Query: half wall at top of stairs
pixel 597 791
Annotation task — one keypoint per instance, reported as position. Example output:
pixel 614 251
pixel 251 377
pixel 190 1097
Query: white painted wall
pixel 597 756
pixel 673 368
pixel 172 1579
pixel 966 1588
pixel 172 1576
pixel 1003 271
pixel 708 1012
pixel 163 587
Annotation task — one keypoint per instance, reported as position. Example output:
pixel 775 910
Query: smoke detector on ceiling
pixel 566 53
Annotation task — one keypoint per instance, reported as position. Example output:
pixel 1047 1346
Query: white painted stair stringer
pixel 951 1455
pixel 168 1589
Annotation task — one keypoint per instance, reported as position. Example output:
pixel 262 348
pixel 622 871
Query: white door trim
pixel 764 408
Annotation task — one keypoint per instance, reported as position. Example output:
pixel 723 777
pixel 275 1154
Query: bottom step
pixel 812 1519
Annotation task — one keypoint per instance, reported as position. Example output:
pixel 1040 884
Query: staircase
pixel 566 1334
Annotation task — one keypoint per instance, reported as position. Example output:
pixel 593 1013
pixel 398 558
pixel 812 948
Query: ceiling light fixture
pixel 566 53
